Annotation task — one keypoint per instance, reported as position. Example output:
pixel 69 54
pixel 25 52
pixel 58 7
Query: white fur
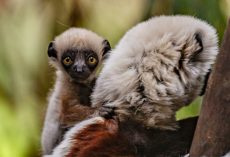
pixel 226 155
pixel 147 56
pixel 51 128
pixel 64 147
pixel 78 38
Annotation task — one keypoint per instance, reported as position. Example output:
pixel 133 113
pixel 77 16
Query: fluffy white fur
pixel 51 129
pixel 157 67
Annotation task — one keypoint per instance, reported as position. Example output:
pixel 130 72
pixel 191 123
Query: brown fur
pixel 72 109
pixel 101 136
pixel 110 138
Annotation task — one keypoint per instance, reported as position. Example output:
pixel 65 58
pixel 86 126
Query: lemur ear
pixel 52 53
pixel 199 48
pixel 193 48
pixel 106 48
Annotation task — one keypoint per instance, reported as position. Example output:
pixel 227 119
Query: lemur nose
pixel 78 68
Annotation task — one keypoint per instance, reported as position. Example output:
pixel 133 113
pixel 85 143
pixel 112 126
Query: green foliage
pixel 189 111
pixel 26 28
pixel 208 10
pixel 19 130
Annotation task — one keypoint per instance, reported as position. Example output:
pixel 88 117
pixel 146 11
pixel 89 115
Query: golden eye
pixel 92 60
pixel 67 61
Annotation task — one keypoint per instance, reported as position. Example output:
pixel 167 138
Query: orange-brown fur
pixel 101 136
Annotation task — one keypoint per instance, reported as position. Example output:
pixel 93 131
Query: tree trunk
pixel 212 135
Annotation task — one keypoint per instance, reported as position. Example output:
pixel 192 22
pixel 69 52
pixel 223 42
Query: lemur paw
pixel 107 112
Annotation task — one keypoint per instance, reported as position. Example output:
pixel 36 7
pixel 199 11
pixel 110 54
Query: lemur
pixel 158 67
pixel 76 54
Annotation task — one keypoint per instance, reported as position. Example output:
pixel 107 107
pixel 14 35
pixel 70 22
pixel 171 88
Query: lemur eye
pixel 92 60
pixel 67 61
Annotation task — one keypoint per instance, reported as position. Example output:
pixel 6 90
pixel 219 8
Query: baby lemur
pixel 76 54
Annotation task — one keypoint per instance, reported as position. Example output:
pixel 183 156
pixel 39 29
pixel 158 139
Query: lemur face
pixel 78 53
pixel 79 63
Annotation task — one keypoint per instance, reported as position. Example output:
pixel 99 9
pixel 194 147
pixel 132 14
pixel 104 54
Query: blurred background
pixel 27 27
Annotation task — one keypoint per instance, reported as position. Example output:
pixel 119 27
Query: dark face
pixel 79 64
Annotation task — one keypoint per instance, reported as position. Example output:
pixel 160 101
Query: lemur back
pixel 158 66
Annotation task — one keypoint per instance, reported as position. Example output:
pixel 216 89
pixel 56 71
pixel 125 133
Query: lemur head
pixel 78 52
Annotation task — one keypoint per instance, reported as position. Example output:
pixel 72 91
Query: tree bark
pixel 212 135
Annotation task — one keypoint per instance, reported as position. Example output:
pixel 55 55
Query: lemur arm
pixel 51 130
